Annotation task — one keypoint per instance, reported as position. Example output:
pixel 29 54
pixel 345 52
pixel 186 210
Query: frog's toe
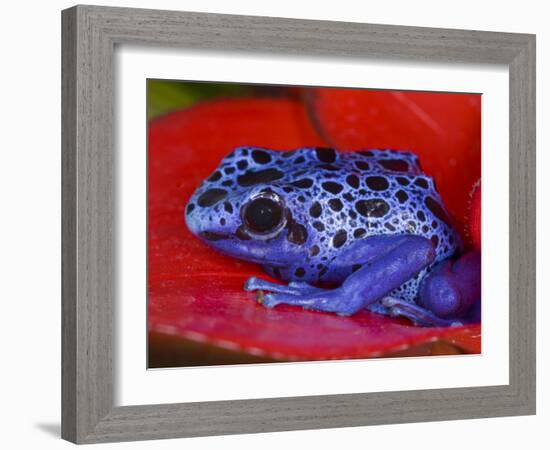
pixel 293 288
pixel 251 284
pixel 328 300
pixel 271 300
pixel 417 314
pixel 257 284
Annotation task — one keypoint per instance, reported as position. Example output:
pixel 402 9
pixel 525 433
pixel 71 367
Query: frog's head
pixel 242 210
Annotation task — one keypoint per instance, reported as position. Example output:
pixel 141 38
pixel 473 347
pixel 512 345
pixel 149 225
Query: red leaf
pixel 197 294
pixel 224 315
pixel 443 129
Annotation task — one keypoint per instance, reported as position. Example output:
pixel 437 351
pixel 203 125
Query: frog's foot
pixel 328 300
pixel 452 288
pixel 293 288
pixel 301 294
pixel 446 294
pixel 417 314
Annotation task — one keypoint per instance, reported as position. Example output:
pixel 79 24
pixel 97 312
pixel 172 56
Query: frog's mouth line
pixel 213 236
pixel 248 255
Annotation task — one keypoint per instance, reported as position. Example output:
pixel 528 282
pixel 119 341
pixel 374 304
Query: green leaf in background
pixel 164 96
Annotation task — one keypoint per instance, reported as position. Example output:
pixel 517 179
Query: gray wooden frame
pixel 90 34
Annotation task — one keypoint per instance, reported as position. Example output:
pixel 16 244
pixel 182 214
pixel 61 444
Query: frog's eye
pixel 264 215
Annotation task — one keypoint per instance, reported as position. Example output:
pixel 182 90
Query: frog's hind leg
pixel 446 295
pixel 387 263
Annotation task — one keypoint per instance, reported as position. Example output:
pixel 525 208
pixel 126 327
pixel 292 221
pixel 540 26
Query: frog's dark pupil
pixel 262 215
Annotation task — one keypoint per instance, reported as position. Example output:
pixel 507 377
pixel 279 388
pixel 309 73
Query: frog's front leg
pixel 446 294
pixel 387 263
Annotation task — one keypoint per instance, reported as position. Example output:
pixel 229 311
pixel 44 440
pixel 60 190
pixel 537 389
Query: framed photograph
pixel 293 207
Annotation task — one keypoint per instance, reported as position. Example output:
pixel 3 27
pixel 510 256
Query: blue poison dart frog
pixel 369 222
